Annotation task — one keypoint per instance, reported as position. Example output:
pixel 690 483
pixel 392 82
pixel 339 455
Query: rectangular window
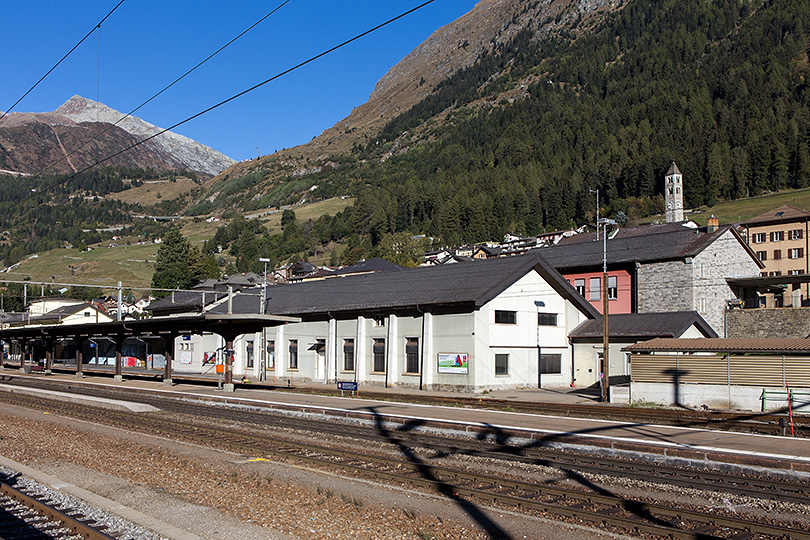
pixel 547 319
pixel 378 351
pixel 777 254
pixel 293 354
pixel 501 364
pixel 271 354
pixel 595 289
pixel 411 355
pixel 795 234
pixel 777 236
pixel 379 322
pixel 505 317
pixel 762 255
pixel 550 363
pixel 758 238
pixel 249 354
pixel 794 272
pixel 580 286
pixel 795 253
pixel 613 287
pixel 348 355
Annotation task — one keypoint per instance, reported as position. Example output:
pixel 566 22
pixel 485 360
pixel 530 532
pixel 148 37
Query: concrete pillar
pixel 392 346
pixel 228 386
pixel 119 346
pixel 258 356
pixel 167 371
pixel 281 352
pixel 79 356
pixel 49 344
pixel 360 360
pixel 428 357
pixel 26 368
pixel 331 351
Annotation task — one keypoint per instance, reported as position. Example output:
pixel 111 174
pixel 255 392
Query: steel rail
pixel 628 514
pixel 71 523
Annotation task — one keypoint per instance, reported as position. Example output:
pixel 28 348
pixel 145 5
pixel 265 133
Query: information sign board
pixel 350 386
pixel 453 363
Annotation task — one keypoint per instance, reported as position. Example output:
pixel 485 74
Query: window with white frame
pixel 249 354
pixel 613 288
pixel 777 236
pixel 348 354
pixel 547 319
pixel 795 253
pixel 579 285
pixel 378 353
pixel 411 355
pixel 550 364
pixel 271 354
pixel 795 234
pixel 293 354
pixel 501 364
pixel 595 289
pixel 794 272
pixel 379 321
pixel 759 238
pixel 505 317
pixel 762 255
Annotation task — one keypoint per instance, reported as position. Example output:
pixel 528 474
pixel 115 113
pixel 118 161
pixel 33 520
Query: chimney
pixel 713 224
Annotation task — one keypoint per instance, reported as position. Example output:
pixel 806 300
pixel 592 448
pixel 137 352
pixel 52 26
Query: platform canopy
pixel 226 325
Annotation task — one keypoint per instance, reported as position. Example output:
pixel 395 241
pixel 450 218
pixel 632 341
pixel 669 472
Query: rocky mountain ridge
pixel 32 142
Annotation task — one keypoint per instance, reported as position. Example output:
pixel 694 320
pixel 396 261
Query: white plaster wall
pixel 714 396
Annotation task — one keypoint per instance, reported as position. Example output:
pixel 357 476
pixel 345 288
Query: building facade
pixel 780 239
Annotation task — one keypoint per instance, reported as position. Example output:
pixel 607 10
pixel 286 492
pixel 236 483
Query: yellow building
pixel 780 240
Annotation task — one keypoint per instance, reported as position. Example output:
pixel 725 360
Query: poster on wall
pixel 453 363
pixel 185 357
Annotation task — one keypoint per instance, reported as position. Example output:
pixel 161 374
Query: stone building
pixel 669 267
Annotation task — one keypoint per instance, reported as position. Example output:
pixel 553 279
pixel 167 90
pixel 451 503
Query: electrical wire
pixel 177 80
pixel 251 89
pixel 61 60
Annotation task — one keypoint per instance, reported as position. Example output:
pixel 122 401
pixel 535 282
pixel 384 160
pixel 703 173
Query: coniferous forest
pixel 517 141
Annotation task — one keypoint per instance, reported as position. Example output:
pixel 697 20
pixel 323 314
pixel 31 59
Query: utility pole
pixel 605 368
pixel 263 370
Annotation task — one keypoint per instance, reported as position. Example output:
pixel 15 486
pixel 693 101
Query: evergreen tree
pixel 177 264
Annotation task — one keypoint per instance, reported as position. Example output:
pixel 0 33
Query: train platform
pixel 774 455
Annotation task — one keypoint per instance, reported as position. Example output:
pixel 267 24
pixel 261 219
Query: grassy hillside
pixel 745 209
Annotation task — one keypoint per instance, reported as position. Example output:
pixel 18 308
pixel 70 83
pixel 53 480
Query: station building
pixel 501 323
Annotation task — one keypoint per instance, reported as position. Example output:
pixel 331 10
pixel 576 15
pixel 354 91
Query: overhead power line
pixel 177 80
pixel 251 89
pixel 62 59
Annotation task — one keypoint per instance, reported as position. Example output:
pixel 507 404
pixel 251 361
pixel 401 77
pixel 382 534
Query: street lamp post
pixel 263 370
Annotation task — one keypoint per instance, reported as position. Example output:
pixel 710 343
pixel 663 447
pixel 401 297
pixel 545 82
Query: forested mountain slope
pixel 515 141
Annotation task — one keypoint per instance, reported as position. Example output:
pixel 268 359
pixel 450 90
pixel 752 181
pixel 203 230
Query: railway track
pixel 26 515
pixel 595 505
pixel 772 423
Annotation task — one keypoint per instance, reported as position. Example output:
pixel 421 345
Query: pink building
pixel 619 291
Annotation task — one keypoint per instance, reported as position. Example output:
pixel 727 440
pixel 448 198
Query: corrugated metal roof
pixel 722 345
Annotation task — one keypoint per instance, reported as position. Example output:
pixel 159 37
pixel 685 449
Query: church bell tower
pixel 673 192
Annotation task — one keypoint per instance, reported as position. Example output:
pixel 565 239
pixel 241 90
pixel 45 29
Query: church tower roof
pixel 673 169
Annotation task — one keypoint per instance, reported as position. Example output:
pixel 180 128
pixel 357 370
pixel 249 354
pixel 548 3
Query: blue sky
pixel 146 44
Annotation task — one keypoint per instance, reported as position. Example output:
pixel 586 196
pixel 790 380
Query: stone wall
pixel 665 286
pixel 770 323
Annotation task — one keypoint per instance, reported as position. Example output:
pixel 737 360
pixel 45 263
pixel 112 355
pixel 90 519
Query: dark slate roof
pixel 374 264
pixel 470 284
pixel 784 214
pixel 65 311
pixel 651 243
pixel 644 325
pixel 184 301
